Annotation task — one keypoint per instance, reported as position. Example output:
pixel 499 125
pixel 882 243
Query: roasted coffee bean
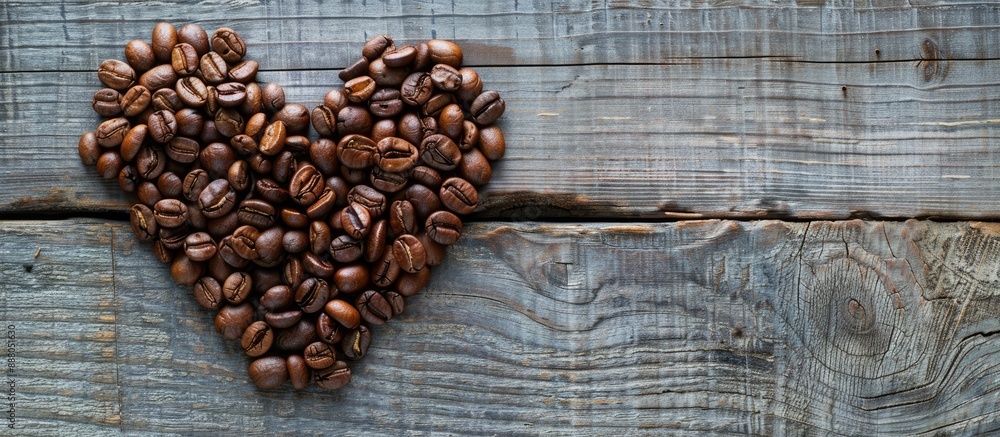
pixel 276 298
pixel 386 102
pixel 269 247
pixel 116 74
pixel 355 343
pixel 273 140
pixel 445 52
pixel 443 227
pixel 244 72
pixel 335 99
pixel 162 254
pixel 184 271
pixel 388 182
pixel 143 222
pixel 283 167
pixel 369 198
pixel 283 319
pixel 296 337
pixel 323 205
pixel 257 339
pixel 424 201
pixel 396 155
pixel 256 213
pixel 162 126
pixel 271 191
pixel 165 99
pixel 328 330
pixel 358 68
pixel 88 148
pixel 173 238
pixel 353 120
pixel 324 120
pixel 416 89
pixel 158 77
pixel 295 241
pixel 409 253
pixel 229 122
pixel 217 199
pixel 333 377
pixel 376 46
pixel 244 144
pixel 319 237
pixel 471 87
pixel 216 158
pixel 200 246
pixel 491 143
pixel 343 313
pixel 208 292
pixel 435 252
pixel 133 141
pixel 373 308
pixel 426 176
pixel 111 133
pixel 228 44
pixel 487 108
pixel 292 272
pixel 306 185
pixel 470 136
pixel 184 59
pixel 409 128
pixel 395 301
pixel 402 218
pixel 183 150
pixel 422 60
pixel 440 152
pixel 164 39
pixel 355 220
pixel 319 355
pixel 312 295
pixel 386 270
pixel 194 183
pixel 295 116
pixel 299 374
pixel 345 249
pixel 451 121
pixel 359 89
pixel 196 219
pixel 194 35
pixel 446 78
pixel 227 252
pixel 375 242
pixel 169 184
pixel 268 372
pixel 356 151
pixel 106 102
pixel 254 103
pixel 294 218
pixel 237 287
pixel 139 55
pixel 128 178
pixel 147 193
pixel 386 76
pixel 459 195
pixel 213 68
pixel 189 122
pixel 192 91
pixel 170 213
pixel 274 97
pixel 400 57
pixel 231 94
pixel 436 104
pixel 264 279
pixel 475 168
pixel 317 266
pixel 351 279
pixel 238 175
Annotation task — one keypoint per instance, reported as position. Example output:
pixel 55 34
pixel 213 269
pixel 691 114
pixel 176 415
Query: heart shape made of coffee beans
pixel 301 246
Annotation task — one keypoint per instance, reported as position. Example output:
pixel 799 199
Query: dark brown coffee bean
pixel 183 150
pixel 162 126
pixel 424 200
pixel 196 219
pixel 200 246
pixel 487 108
pixel 440 152
pixel 328 330
pixel 335 99
pixel 111 133
pixel 353 120
pixel 283 167
pixel 358 68
pixel 254 103
pixel 470 136
pixel 216 158
pixel 283 319
pixel 184 271
pixel 426 176
pixel 436 104
pixel 217 199
pixel 323 205
pixel 475 168
pixel 269 247
pixel 170 213
pixel 296 337
pixel 443 227
pixel 345 249
pixel 116 74
pixel 231 94
pixel 369 198
pixel 445 52
pixel 132 142
pixel 229 122
pixel 386 102
pixel 295 116
pixel 324 121
pixel 260 164
pixel 422 61
pixel 376 46
pixel 359 89
pixel 435 252
pixel 292 272
pixel 416 89
pixel 147 193
pixel 257 339
pixel 386 270
pixel 317 266
pixel 410 129
pixel 333 377
pixel 139 55
pixel 351 279
pixel 173 238
pixel 446 78
pixel 312 295
pixel 294 218
pixel 375 242
pixel 194 35
pixel 273 140
pixel 409 253
pixel 356 151
pixel 271 191
pixel 244 72
pixel 295 241
pixel 298 372
pixel 237 287
pixel 472 86
pixel 159 77
pixel 400 57
pixel 459 195
pixel 238 176
pixel 268 372
pixel 306 185
pixel 208 292
pixel 396 155
pixel 213 68
pixel 396 302
pixel 244 144
pixel 451 122
pixel 189 122
pixel 184 59
pixel 256 213
pixel 386 76
pixel 169 184
pixel 244 242
pixel 219 269
pixel 164 39
pixel 319 236
pixel 274 97
pixel 192 91
pixel 228 44
pixel 402 218
pixel 194 183
pixel 373 308
pixel 226 250
pixel 264 279
pixel 319 355
pixel 388 182
pixel 143 222
pixel 162 253
pixel 491 143
pixel 128 178
pixel 89 150
pixel 107 102
pixel 355 343
pixel 276 298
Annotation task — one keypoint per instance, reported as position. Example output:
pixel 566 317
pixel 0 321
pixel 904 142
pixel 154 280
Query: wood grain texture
pixel 725 138
pixel 310 34
pixel 730 327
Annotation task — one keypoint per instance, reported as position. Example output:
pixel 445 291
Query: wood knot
pixel 857 317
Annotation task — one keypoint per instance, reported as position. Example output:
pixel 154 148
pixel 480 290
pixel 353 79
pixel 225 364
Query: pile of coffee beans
pixel 301 245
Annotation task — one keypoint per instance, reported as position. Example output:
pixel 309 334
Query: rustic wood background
pixel 673 242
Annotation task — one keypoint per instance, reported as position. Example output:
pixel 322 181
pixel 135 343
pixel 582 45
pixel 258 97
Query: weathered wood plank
pixel 733 138
pixel 310 34
pixel 738 327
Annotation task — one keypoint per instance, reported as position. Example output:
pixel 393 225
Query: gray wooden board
pixel 762 327
pixel 307 34
pixel 719 138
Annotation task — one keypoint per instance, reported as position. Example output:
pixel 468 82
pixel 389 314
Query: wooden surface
pixel 587 297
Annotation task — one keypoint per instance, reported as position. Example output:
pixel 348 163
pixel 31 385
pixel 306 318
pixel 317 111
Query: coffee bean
pixel 192 91
pixel 375 242
pixel 257 339
pixel 229 122
pixel 353 120
pixel 158 77
pixel 386 102
pixel 217 199
pixel 355 343
pixel 400 57
pixel 373 308
pixel 244 72
pixel 173 238
pixel 274 97
pixel 295 116
pixel 469 138
pixel 422 60
pixel 491 143
pixel 451 122
pixel 409 253
pixel 359 89
pixel 351 279
pixel 424 200
pixel 435 252
pixel 306 185
pixel 459 195
pixel 184 59
pixel 292 273
pixel 269 247
pixel 106 102
pixel 298 372
pixel 312 295
pixel 396 155
pixel 88 148
pixel 139 55
pixel 253 104
pixel 231 94
pixel 295 241
pixel 445 52
pixel 147 193
pixel 170 213
pixel 143 222
pixel 443 227
pixel 333 377
pixel 487 108
pixel 440 152
pixel 283 319
pixel 271 191
pixel 183 150
pixel 268 372
pixel 296 337
pixel 184 271
pixel 277 297
pixel 329 331
pixel 200 246
pixel 194 35
pixel 386 270
pixel 228 44
pixel 128 178
pixel 135 100
pixel 471 87
pixel 162 126
pixel 416 89
pixel 358 68
pixel 436 104
pixel 376 46
pixel 475 168
pixel 369 198
pixel 324 120
pixel 319 355
pixel 213 68
pixel 112 132
pixel 193 184
pixel 446 78
pixel 426 176
pixel 116 74
pixel 208 292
